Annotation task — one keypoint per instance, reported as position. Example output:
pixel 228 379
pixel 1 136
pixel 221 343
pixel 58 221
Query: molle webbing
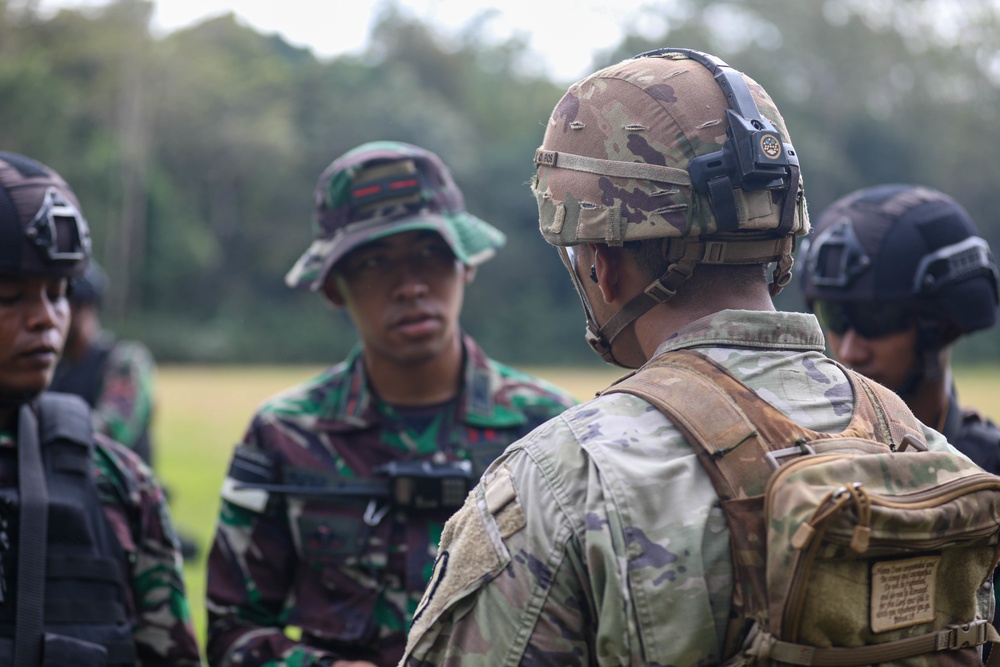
pixel 76 576
pixel 732 430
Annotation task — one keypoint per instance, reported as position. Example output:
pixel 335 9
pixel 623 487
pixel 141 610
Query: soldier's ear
pixel 607 271
pixel 470 273
pixel 332 291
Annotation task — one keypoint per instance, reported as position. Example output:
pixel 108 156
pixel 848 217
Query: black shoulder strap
pixel 32 538
pixel 65 417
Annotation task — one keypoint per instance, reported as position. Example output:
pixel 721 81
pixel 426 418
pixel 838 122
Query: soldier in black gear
pixel 896 274
pixel 115 376
pixel 90 574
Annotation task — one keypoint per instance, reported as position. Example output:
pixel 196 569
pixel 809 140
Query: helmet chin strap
pixel 601 337
pixel 927 366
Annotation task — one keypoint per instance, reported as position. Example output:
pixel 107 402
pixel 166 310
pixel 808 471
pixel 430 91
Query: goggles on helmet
pixel 59 230
pixel 868 320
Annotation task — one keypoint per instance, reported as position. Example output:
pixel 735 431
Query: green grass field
pixel 203 411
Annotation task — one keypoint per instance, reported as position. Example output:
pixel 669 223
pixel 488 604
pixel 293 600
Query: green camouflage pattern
pixel 125 407
pixel 293 578
pixel 661 111
pixel 599 538
pixel 118 379
pixel 136 510
pixel 344 221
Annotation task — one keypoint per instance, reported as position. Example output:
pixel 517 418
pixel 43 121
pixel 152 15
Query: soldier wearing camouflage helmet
pixel 669 183
pixel 335 500
pixel 89 571
pixel 897 273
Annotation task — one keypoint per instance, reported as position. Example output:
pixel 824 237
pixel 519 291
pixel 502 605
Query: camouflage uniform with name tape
pixel 308 540
pixel 284 560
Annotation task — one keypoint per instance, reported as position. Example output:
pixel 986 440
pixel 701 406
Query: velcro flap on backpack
pixel 708 412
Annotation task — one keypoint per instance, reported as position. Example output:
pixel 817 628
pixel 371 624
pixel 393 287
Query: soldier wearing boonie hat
pixel 335 500
pixel 384 188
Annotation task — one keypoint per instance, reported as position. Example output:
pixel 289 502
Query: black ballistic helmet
pixel 90 287
pixel 42 231
pixel 906 245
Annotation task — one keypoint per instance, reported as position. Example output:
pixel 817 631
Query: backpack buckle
pixel 799 449
pixel 965 636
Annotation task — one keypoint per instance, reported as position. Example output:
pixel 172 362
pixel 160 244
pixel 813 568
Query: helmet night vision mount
pixel 754 156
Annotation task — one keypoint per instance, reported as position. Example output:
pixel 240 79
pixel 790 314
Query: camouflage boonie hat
pixel 383 188
pixel 614 163
pixel 42 231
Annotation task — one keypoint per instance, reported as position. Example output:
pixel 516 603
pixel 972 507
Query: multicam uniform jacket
pixel 136 510
pixel 535 568
pixel 343 575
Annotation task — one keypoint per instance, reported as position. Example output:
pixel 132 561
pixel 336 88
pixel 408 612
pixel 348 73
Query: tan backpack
pixel 856 548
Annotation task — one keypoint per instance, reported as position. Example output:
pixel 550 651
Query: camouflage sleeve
pixel 250 570
pixel 937 442
pixel 537 567
pixel 483 604
pixel 125 406
pixel 137 510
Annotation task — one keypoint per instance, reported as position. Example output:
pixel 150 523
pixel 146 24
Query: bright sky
pixel 564 33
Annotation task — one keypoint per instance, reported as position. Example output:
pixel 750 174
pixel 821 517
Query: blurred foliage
pixel 195 154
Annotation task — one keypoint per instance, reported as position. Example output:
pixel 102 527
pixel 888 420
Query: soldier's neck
pixel 422 382
pixel 930 400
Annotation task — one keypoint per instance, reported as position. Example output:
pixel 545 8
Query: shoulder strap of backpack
pixel 893 418
pixel 732 430
pixel 708 416
pixel 717 413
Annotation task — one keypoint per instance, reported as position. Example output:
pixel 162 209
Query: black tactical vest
pixel 85 622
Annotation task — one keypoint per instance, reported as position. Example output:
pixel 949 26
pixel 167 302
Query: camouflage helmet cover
pixel 42 231
pixel 656 115
pixel 903 244
pixel 382 188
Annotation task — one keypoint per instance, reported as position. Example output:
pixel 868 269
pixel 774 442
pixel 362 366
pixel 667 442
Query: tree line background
pixel 195 154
